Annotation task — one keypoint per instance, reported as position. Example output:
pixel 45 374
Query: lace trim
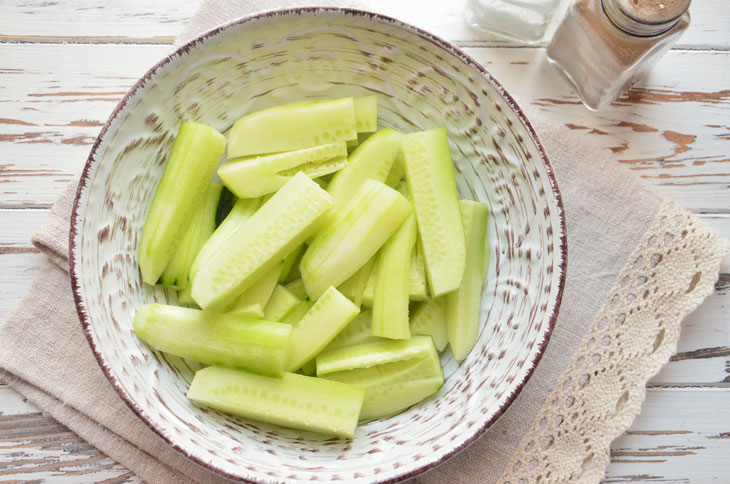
pixel 600 393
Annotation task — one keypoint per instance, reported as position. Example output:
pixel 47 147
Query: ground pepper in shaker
pixel 603 46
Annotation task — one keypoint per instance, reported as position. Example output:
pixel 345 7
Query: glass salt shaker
pixel 603 46
pixel 523 20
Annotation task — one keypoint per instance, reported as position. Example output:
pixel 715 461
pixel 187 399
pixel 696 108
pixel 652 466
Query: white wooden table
pixel 64 66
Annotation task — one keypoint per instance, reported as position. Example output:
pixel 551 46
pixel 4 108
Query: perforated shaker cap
pixel 645 17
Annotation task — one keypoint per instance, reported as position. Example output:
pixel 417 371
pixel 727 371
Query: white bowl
pixel 288 55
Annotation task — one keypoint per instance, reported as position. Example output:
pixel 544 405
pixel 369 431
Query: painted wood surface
pixel 65 65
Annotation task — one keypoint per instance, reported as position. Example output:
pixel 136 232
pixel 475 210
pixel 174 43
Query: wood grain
pixel 678 142
pixel 136 22
pixel 64 66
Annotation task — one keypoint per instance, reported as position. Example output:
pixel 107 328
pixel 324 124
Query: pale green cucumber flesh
pixel 352 236
pixel 214 339
pixel 369 293
pixel 432 183
pixel 417 282
pixel 390 373
pixel 309 368
pixel 289 262
pixel 242 210
pixel 195 154
pixel 372 160
pixel 262 242
pixel 390 298
pixel 184 297
pixel 397 172
pixel 366 113
pixel 354 287
pixel 255 176
pixel 371 354
pixel 252 311
pixel 201 225
pixel 388 400
pixel 258 294
pixel 293 126
pixel 429 317
pixel 463 306
pixel 297 288
pixel 297 313
pixel 293 401
pixel 324 320
pixel 358 331
pixel 281 303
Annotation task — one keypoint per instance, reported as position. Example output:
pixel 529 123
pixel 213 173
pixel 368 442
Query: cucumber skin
pixel 390 298
pixel 432 184
pixel 323 321
pixel 225 205
pixel 371 354
pixel 372 160
pixel 352 236
pixel 293 126
pixel 199 229
pixel 464 305
pixel 214 339
pixel 194 156
pixel 294 401
pixel 277 228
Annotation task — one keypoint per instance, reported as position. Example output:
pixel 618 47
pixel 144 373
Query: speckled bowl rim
pixel 184 49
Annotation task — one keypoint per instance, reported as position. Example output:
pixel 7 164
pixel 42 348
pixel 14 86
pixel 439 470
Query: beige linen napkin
pixel 637 265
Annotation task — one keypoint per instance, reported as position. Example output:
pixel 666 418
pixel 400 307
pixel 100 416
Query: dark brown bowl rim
pixel 445 45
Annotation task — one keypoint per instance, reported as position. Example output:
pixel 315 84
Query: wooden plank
pixel 677 438
pixel 134 21
pixel 672 129
pixel 18 227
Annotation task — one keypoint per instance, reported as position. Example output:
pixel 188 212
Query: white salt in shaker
pixel 521 20
pixel 603 46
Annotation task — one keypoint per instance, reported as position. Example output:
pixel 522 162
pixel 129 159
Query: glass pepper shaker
pixel 523 20
pixel 602 46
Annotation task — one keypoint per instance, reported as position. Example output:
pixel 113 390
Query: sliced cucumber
pixel 296 287
pixel 366 113
pixel 255 297
pixel 297 313
pixel 294 401
pixel 309 368
pixel 369 293
pixel 225 205
pixel 242 210
pixel 358 331
pixel 293 126
pixel 184 297
pixel 214 339
pixel 464 305
pixel 417 283
pixel 280 304
pixel 397 171
pixel 291 261
pixel 255 176
pixel 195 154
pixel 354 287
pixel 200 227
pixel 390 299
pixel 327 317
pixel 388 400
pixel 262 242
pixel 371 354
pixel 372 160
pixel 431 181
pixel 429 317
pixel 352 236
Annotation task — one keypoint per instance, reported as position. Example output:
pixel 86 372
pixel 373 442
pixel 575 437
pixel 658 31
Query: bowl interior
pixel 323 53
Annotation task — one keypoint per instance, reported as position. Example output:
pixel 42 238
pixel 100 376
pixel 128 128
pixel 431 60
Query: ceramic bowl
pixel 310 53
